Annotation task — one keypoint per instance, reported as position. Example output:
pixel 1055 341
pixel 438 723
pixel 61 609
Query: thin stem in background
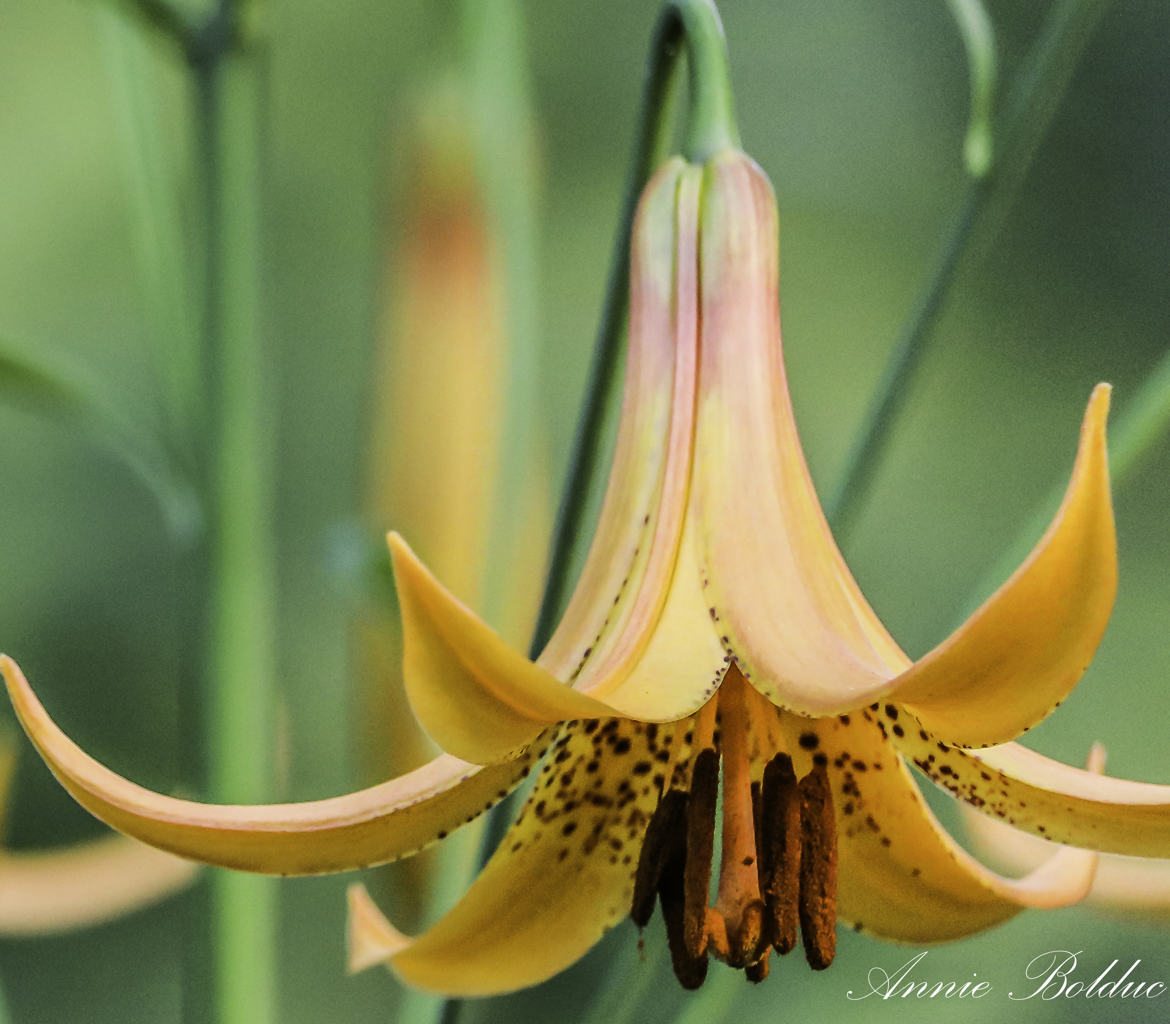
pixel 499 97
pixel 1032 104
pixel 239 683
pixel 163 17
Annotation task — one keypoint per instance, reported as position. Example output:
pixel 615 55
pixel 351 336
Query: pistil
pixel 738 902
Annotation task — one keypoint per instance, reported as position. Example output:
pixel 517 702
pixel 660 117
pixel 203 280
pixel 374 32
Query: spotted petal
pixel 796 620
pixel 371 826
pixel 901 876
pixel 562 876
pixel 1047 798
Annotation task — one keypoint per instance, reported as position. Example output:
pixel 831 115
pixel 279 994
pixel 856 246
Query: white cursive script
pixel 900 985
pixel 1052 972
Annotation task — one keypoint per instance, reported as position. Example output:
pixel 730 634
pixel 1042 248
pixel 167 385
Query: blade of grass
pixel 66 394
pixel 170 275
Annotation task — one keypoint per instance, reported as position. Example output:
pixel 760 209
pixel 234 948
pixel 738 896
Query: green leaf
pixel 66 395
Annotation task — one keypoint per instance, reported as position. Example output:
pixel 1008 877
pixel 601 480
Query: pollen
pixel 777 870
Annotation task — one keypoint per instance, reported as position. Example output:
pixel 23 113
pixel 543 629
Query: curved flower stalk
pixel 48 891
pixel 715 640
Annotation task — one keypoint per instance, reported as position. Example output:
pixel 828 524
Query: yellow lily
pixel 47 891
pixel 714 620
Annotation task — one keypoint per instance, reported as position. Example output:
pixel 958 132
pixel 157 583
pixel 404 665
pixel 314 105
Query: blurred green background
pixel 857 112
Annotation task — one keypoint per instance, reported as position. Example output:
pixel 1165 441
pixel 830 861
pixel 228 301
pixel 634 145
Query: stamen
pixel 818 869
pixel 780 843
pixel 666 830
pixel 757 972
pixel 704 727
pixel 738 900
pixel 700 841
pixel 690 970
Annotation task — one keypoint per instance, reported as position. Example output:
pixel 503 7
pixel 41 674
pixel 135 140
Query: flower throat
pixel 778 867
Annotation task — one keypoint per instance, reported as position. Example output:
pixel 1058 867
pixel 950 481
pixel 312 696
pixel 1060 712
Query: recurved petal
pixel 82 885
pixel 901 876
pixel 1025 649
pixel 60 890
pixel 370 937
pixel 1123 887
pixel 1047 798
pixel 562 876
pixel 371 826
pixel 476 697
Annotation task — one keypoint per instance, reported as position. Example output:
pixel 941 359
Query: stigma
pixel 777 870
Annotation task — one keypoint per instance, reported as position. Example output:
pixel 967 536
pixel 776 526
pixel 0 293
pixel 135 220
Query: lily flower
pixel 44 892
pixel 715 639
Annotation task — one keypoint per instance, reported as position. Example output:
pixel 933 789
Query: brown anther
pixel 757 972
pixel 757 810
pixel 700 839
pixel 749 936
pixel 818 869
pixel 780 846
pixel 690 970
pixel 667 829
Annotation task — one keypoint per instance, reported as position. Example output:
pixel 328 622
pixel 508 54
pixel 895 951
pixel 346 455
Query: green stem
pixel 240 674
pixel 1034 100
pixel 499 101
pixel 711 120
pixel 165 18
